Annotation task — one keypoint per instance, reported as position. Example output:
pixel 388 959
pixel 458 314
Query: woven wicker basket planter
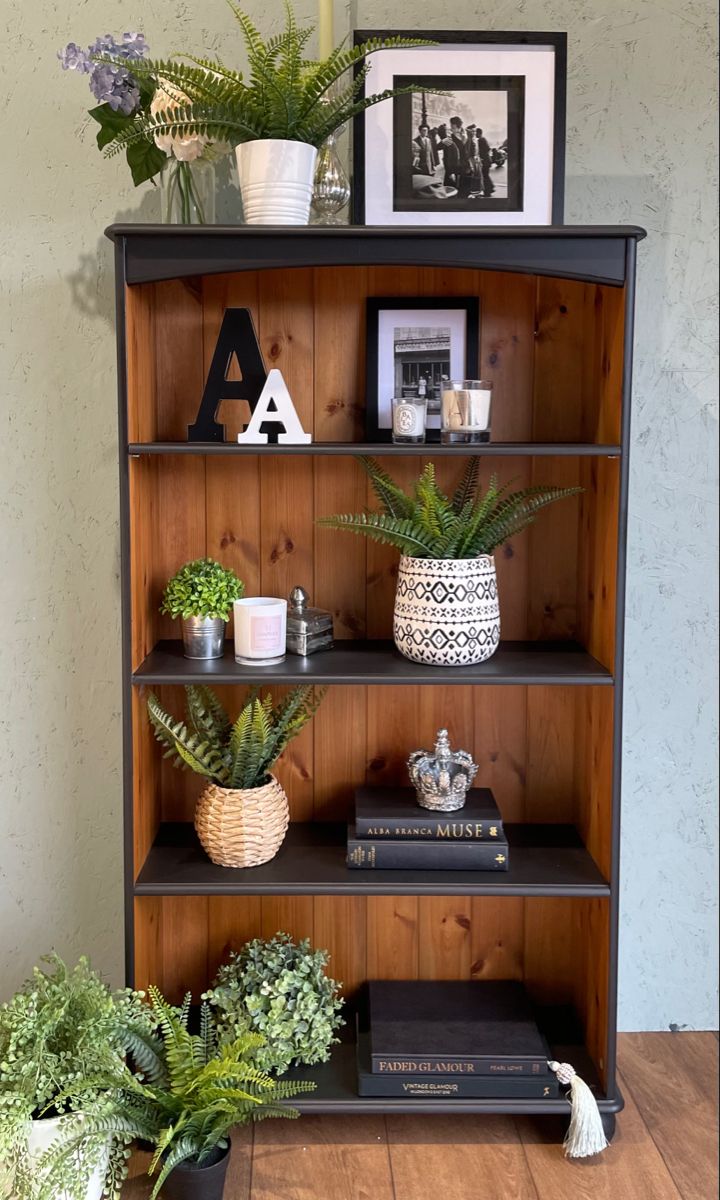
pixel 242 827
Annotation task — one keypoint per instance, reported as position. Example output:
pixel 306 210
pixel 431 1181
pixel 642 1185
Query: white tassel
pixel 585 1135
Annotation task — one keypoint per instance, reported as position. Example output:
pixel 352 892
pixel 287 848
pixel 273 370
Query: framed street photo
pixel 413 345
pixel 482 141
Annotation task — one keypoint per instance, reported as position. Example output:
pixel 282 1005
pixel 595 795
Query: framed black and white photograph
pixel 413 346
pixel 482 140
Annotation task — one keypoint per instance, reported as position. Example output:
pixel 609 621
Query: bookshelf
pixel 542 717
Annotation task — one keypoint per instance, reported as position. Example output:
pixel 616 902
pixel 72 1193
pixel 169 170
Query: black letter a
pixel 237 336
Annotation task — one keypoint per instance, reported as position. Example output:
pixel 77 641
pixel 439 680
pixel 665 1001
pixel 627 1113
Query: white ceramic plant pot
pixel 446 610
pixel 43 1133
pixel 276 181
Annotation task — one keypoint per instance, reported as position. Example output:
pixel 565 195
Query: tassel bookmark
pixel 585 1135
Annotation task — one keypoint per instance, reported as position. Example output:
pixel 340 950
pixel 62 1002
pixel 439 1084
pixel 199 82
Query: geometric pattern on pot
pixel 446 610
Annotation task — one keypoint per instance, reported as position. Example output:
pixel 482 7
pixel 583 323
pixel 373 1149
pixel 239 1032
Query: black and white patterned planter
pixel 446 610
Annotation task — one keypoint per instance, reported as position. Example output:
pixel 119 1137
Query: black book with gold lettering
pixel 394 813
pixel 451 1087
pixel 407 854
pixel 463 1028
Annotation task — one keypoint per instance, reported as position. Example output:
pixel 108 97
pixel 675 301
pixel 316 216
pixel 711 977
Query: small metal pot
pixel 203 637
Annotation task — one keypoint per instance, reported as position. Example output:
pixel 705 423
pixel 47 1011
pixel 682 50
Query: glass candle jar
pixel 408 419
pixel 260 630
pixel 465 411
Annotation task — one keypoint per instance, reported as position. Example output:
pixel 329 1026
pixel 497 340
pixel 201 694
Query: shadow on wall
pixel 92 290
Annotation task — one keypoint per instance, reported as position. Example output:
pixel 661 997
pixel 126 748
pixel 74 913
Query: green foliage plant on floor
pixel 278 988
pixel 189 1093
pixel 56 1033
pixel 427 523
pixel 233 755
pixel 202 588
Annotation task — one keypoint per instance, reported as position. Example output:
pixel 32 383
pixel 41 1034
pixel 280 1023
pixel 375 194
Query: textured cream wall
pixel 640 149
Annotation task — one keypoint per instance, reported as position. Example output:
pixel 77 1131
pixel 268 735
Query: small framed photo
pixel 413 346
pixel 482 142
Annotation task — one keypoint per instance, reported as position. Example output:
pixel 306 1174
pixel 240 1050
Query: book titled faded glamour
pixel 394 813
pixel 460 1029
pixel 451 1087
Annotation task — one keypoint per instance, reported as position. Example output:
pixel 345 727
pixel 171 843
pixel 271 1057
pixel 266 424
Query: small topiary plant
pixel 202 588
pixel 279 989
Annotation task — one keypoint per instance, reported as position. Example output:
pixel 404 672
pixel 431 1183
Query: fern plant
pixel 56 1033
pixel 284 95
pixel 430 524
pixel 238 755
pixel 189 1094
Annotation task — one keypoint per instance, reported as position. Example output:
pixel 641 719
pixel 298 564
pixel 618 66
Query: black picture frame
pixel 377 304
pixel 555 39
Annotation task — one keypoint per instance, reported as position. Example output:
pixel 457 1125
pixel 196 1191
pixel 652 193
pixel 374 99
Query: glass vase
pixel 331 188
pixel 187 192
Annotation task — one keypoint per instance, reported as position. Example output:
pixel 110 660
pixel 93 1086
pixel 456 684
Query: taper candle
pixel 326 43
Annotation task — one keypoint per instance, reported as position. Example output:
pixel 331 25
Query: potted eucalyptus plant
pixel 62 1029
pixel 183 1100
pixel 276 118
pixel 447 611
pixel 242 816
pixel 278 988
pixel 202 594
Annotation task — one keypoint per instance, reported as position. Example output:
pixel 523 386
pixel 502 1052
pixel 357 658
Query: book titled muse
pixel 427 1028
pixel 394 813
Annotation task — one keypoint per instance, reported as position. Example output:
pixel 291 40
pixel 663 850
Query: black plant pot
pixel 191 1182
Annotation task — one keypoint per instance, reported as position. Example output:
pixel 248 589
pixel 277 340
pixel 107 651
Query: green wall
pixel 641 149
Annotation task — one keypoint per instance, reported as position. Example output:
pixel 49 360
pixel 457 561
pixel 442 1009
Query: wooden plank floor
pixel 665 1147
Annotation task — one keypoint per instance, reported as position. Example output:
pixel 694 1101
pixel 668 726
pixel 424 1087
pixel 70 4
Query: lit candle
pixel 326 43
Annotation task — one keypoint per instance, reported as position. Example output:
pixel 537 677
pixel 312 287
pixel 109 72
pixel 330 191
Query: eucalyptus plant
pixel 429 524
pixel 279 989
pixel 190 1093
pixel 202 588
pixel 233 754
pixel 56 1033
pixel 284 94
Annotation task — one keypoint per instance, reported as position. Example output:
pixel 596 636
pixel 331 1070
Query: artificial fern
pixel 429 524
pixel 238 755
pixel 284 95
pixel 184 1107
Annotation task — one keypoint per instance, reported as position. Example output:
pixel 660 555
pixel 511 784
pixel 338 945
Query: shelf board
pixel 427 449
pixel 598 254
pixel 545 860
pixel 378 662
pixel 337 1090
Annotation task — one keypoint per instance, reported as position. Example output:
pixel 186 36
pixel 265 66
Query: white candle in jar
pixel 260 630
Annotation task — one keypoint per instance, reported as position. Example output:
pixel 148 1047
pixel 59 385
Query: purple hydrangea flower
pixel 72 58
pixel 133 46
pixel 110 84
pixel 114 86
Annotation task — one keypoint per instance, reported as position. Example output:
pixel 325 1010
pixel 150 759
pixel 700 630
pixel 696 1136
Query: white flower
pixel 186 149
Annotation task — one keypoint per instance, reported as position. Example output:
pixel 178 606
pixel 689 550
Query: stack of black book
pixel 392 832
pixel 452 1040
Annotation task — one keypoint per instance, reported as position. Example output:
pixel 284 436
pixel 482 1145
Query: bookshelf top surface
pixel 595 253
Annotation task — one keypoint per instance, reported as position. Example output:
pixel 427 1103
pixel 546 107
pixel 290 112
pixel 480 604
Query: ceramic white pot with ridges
pixel 276 181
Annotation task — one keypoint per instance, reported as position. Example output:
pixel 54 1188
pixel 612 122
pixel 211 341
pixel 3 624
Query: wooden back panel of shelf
pixel 553 350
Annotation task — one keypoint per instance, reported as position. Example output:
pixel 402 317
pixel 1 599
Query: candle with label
pixel 260 630
pixel 465 411
pixel 408 419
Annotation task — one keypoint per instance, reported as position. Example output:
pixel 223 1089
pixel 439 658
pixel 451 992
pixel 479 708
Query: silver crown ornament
pixel 443 779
